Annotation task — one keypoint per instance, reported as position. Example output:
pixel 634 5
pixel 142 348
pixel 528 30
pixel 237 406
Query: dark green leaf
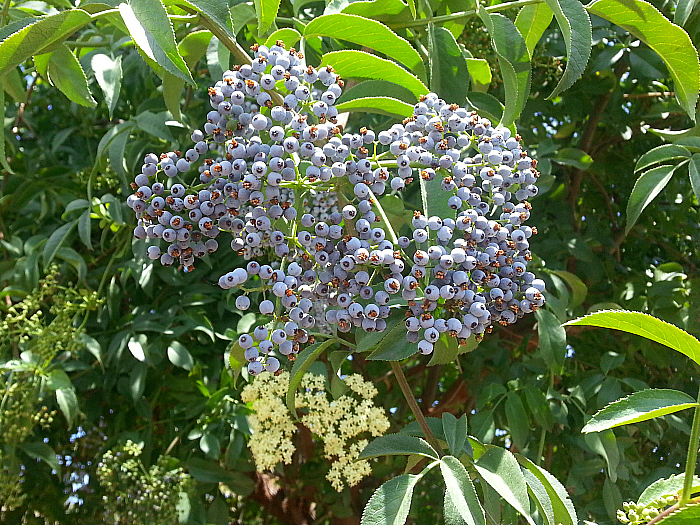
pixel 434 198
pixel 435 425
pixel 210 472
pixel 301 364
pixel 605 444
pixel 57 238
pixel 154 124
pixel 398 445
pixel 38 35
pixel 367 33
pixel 646 326
pixel 390 503
pixel 514 59
pixel 236 360
pixel 455 432
pixel 683 10
pixel 448 68
pixel 552 339
pixel 209 444
pixel 500 470
pixel 573 157
pixel 538 493
pixel 487 105
pixel 461 491
pixel 137 380
pixel 575 25
pixel 108 74
pixel 151 30
pixel 43 452
pixel 532 21
pixel 517 420
pixel 694 171
pixel 393 346
pixel 639 406
pixel 671 43
pixel 84 229
pixel 368 340
pixel 358 64
pixel 57 379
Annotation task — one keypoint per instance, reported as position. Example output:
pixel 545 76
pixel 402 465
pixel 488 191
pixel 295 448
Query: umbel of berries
pixel 275 177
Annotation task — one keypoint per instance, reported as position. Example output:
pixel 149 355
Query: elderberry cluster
pixel 298 198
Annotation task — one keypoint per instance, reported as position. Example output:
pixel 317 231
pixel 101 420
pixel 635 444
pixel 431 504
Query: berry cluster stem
pixel 410 398
pixel 692 458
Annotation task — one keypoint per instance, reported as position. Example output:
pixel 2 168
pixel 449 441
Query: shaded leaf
pixel 552 339
pixel 43 452
pixel 517 420
pixel 455 432
pixel 639 406
pixel 208 471
pixel 683 10
pixel 301 364
pixel 538 493
pixel 65 72
pixel 605 444
pixel 645 190
pixel 394 346
pixel 694 172
pixel 448 67
pixel 68 403
pixel 180 356
pixel 54 242
pixel 669 41
pixel 563 508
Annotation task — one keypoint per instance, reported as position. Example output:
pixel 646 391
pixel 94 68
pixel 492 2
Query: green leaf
pixel 108 73
pixel 455 432
pixel 645 190
pixel 65 72
pixel 666 487
pixel 688 515
pixel 43 452
pixel 500 470
pixel 514 60
pixel 3 156
pixel 136 346
pixel 380 105
pixel 68 403
pixel 538 493
pixel 532 21
pixel 180 356
pixel 669 41
pixel 664 153
pixel 289 36
pixel 367 33
pixel 563 508
pixel 266 11
pixel 487 105
pixel 573 157
pixel 154 124
pixel 694 172
pixel 639 406
pixel 377 88
pixel 552 339
pixel 57 379
pixel 57 238
pixel 358 64
pixel 538 406
pixel 390 503
pixel 575 25
pixel 461 491
pixel 209 444
pixel 208 471
pixel 448 67
pixel 646 326
pixel 84 231
pixel 480 73
pixel 39 34
pixel 302 363
pixel 577 287
pixel 434 198
pixel 435 425
pixel 137 381
pixel 683 10
pixel 368 340
pixel 605 444
pixel 368 9
pixel 393 346
pixel 15 86
pixel 236 360
pixel 216 11
pixel 398 445
pixel 151 30
pixel 517 420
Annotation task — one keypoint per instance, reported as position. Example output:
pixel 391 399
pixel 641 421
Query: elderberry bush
pixel 297 197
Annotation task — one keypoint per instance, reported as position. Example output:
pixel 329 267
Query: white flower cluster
pixel 337 423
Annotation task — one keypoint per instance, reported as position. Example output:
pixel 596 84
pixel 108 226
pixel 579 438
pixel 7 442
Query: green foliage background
pixel 141 356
